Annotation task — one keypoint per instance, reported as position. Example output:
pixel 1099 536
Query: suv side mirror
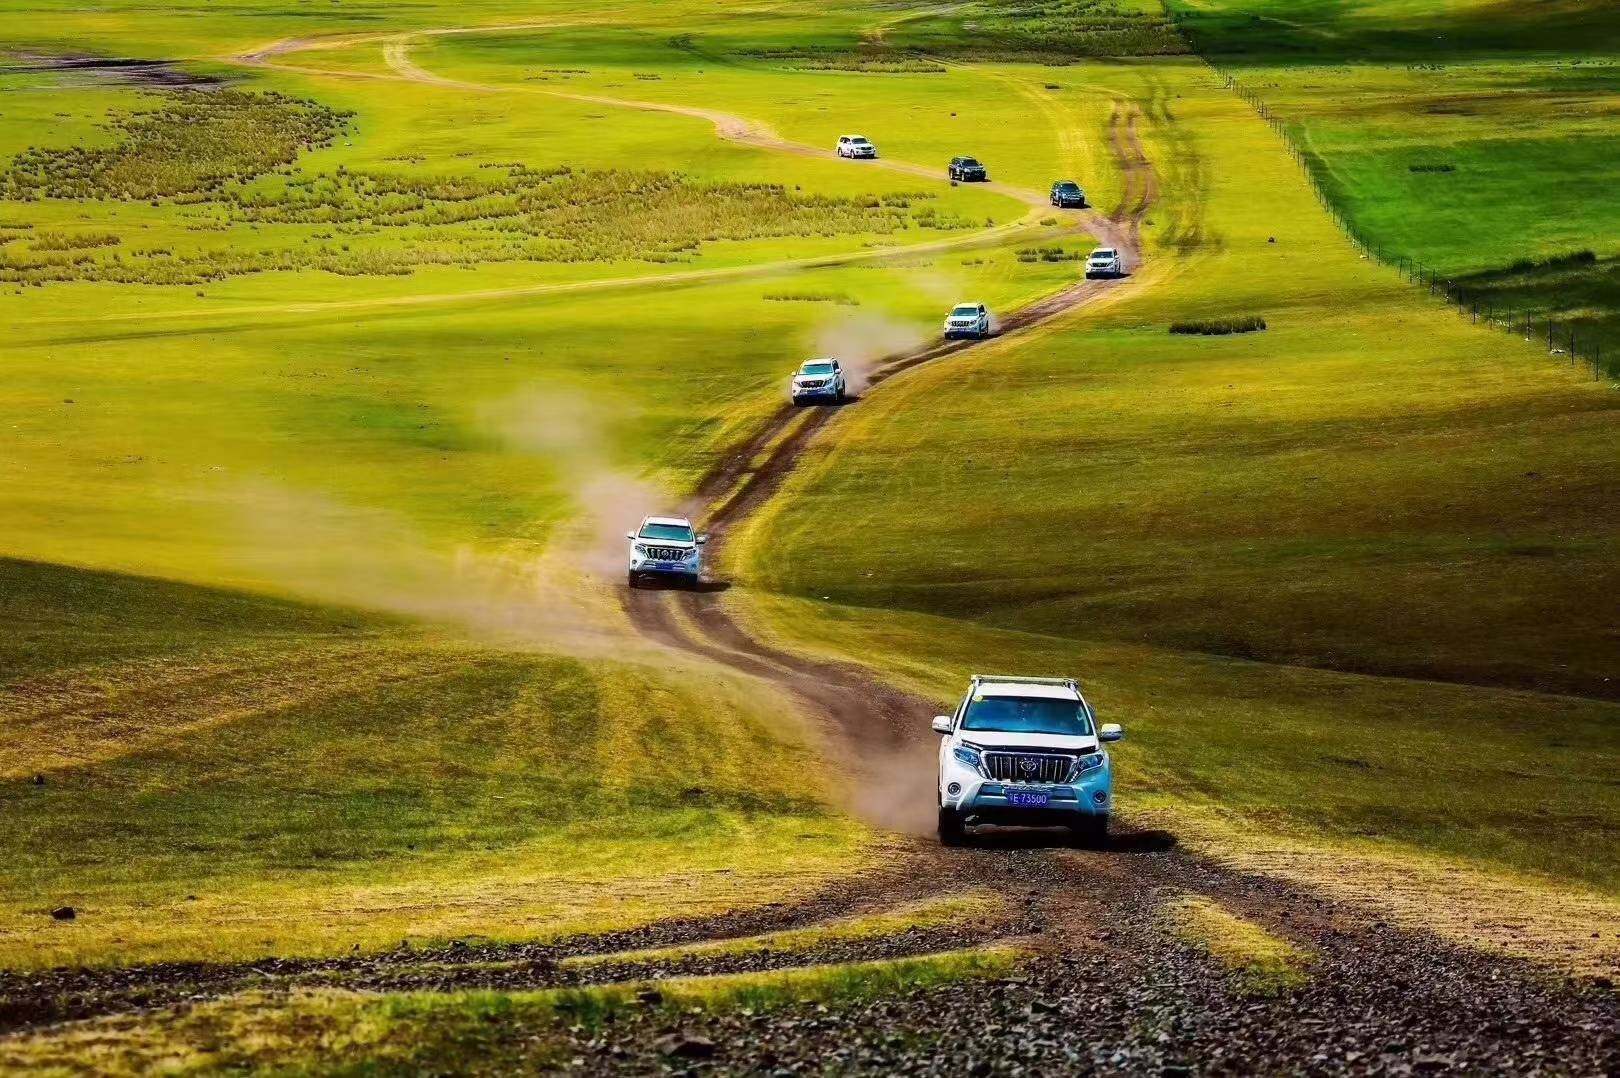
pixel 942 724
pixel 1111 731
pixel 702 539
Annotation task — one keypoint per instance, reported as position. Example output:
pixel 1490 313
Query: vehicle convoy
pixel 855 146
pixel 969 321
pixel 1025 751
pixel 818 380
pixel 1066 194
pixel 666 547
pixel 968 170
pixel 1104 262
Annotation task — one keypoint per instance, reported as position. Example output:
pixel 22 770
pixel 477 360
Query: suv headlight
pixel 639 549
pixel 969 757
pixel 691 555
pixel 1089 762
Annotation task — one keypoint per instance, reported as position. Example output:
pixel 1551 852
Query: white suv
pixel 1025 751
pixel 1104 262
pixel 665 547
pixel 818 380
pixel 971 320
pixel 855 146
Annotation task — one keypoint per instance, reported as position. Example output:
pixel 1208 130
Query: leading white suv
pixel 818 380
pixel 1105 262
pixel 1025 751
pixel 665 547
pixel 970 320
pixel 855 146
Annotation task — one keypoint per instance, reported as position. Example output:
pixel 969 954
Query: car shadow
pixel 702 587
pixel 990 837
pixel 846 402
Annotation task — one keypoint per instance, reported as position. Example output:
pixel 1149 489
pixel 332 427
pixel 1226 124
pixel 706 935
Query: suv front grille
pixel 666 553
pixel 1028 766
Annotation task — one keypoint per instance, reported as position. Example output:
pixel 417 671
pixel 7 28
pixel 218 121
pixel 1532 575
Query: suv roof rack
pixel 1003 679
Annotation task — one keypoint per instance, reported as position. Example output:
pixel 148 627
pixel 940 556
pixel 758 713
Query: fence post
pixel 1572 346
pixel 1549 336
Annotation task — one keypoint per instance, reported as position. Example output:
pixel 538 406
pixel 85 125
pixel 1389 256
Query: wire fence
pixel 1561 337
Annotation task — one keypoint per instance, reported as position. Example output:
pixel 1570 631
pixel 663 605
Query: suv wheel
pixel 952 832
pixel 634 580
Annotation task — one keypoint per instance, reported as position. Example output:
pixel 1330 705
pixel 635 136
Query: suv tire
pixel 634 581
pixel 952 832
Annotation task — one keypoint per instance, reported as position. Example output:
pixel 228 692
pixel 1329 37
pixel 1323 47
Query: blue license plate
pixel 1029 798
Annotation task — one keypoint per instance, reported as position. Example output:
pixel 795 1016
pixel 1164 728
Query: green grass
pixel 1466 135
pixel 211 775
pixel 1261 963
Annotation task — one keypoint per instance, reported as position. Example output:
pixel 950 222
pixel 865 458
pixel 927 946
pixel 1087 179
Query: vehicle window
pixel 818 368
pixel 968 161
pixel 1027 715
pixel 966 310
pixel 674 532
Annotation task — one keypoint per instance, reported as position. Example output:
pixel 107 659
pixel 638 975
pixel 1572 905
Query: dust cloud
pixel 896 790
pixel 573 431
pixel 861 341
pixel 559 594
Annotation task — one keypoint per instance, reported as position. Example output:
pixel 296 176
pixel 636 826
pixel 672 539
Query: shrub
pixel 1219 327
pixel 1572 260
pixel 75 241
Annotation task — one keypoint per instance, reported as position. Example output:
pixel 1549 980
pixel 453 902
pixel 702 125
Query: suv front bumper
pixel 984 800
pixel 654 567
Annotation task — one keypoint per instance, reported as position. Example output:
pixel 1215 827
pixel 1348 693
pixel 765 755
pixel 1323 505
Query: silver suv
pixel 1025 751
pixel 818 380
pixel 1104 262
pixel 665 547
pixel 855 146
pixel 968 320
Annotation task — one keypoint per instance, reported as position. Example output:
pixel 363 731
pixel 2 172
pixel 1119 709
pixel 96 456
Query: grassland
pixel 294 454
pixel 207 774
pixel 1313 568
pixel 232 502
pixel 1466 135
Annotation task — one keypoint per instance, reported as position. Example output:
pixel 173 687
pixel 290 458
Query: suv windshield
pixel 966 309
pixel 1027 715
pixel 818 368
pixel 1104 253
pixel 1067 187
pixel 679 533
pixel 968 162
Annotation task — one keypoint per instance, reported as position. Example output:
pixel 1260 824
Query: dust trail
pixel 859 341
pixel 896 790
pixel 555 593
pixel 573 432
